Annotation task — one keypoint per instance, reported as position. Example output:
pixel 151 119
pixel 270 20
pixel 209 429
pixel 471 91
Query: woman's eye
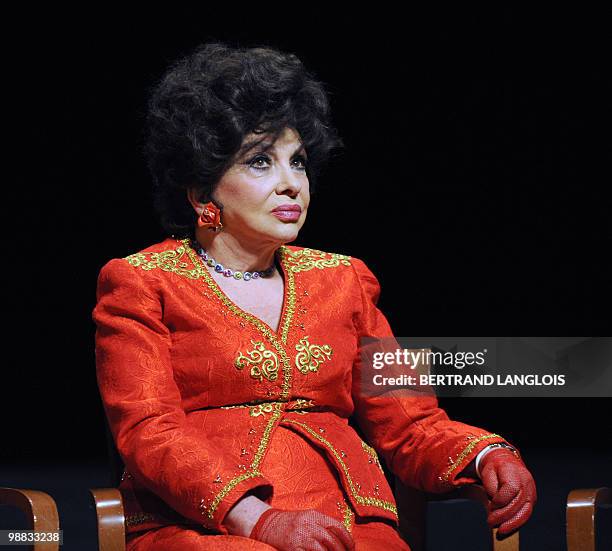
pixel 301 160
pixel 261 162
pixel 255 162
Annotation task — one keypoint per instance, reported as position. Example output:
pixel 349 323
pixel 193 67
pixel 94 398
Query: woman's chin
pixel 283 230
pixel 286 233
pixel 288 237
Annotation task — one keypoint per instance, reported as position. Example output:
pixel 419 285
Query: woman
pixel 228 361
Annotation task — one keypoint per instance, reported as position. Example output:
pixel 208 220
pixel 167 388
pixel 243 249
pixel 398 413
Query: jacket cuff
pixel 465 452
pixel 215 510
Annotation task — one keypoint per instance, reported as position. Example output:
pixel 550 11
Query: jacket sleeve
pixel 143 403
pixel 420 444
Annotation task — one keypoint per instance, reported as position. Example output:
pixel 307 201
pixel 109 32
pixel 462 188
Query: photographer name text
pixel 455 379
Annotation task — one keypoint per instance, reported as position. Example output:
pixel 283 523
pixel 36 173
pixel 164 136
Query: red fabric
pixel 198 393
pixel 511 488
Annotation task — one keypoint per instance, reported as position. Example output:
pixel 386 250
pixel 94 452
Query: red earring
pixel 210 217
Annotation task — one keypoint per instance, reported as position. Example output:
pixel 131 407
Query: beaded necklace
pixel 227 272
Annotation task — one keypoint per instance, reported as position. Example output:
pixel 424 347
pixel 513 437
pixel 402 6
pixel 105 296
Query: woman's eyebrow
pixel 264 145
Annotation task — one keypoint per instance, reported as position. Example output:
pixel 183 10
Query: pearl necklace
pixel 227 272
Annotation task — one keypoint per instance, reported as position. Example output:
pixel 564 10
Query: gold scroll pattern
pixel 311 356
pixel 262 361
pixel 307 259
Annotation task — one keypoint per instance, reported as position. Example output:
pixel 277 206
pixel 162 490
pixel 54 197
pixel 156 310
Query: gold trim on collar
pixel 307 259
pixel 168 261
pixel 288 295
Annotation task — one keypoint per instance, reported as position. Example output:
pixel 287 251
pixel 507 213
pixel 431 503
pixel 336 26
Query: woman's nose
pixel 290 180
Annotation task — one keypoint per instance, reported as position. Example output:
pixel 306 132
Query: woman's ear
pixel 193 196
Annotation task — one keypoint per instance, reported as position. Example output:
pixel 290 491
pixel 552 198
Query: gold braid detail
pixel 263 444
pixel 168 261
pixel 348 516
pixel 298 405
pixel 466 451
pixel 372 452
pixel 139 518
pixel 262 327
pixel 307 259
pixel 291 296
pixel 363 500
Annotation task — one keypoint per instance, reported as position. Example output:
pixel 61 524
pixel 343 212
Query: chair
pixel 581 512
pixel 109 503
pixel 111 519
pixel 41 513
pixel 39 509
pixel 411 504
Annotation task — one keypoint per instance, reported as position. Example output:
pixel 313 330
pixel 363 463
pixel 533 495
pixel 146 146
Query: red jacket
pixel 194 388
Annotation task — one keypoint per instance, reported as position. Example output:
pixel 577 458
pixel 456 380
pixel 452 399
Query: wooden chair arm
pixel 477 493
pixel 40 511
pixel 111 519
pixel 581 507
pixel 413 503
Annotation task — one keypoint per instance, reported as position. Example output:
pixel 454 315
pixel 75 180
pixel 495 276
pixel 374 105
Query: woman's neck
pixel 235 254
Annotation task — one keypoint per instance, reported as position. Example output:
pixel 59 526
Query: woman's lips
pixel 287 215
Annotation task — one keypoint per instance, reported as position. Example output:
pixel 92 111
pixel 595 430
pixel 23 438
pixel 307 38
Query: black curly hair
pixel 200 111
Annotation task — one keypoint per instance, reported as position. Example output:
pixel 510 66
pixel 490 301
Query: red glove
pixel 301 530
pixel 511 488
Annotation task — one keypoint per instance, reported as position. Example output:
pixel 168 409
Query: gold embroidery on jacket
pixel 168 261
pixel 261 409
pixel 298 404
pixel 173 261
pixel 310 356
pixel 307 259
pixel 139 518
pixel 348 516
pixel 363 500
pixel 466 451
pixel 263 444
pixel 262 327
pixel 263 362
pixel 372 453
pixel 290 309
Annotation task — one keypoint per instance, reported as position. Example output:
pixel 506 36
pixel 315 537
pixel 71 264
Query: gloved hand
pixel 511 488
pixel 308 530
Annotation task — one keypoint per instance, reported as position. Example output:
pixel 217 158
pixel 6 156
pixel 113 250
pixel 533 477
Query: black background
pixel 474 184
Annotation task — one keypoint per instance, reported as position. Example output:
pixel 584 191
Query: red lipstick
pixel 288 213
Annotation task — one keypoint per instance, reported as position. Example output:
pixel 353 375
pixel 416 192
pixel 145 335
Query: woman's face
pixel 262 179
